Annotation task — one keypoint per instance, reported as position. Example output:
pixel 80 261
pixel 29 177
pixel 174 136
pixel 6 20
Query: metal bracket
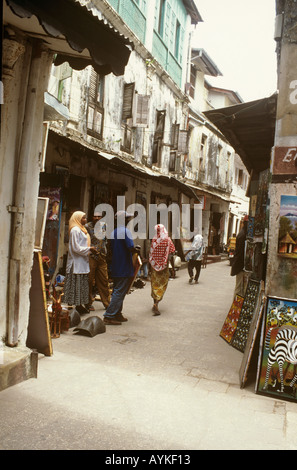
pixel 20 210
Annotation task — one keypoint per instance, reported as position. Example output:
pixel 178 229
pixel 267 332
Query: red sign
pixel 285 161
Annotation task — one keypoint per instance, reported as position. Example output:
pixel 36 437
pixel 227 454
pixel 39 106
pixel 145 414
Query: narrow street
pixel 167 382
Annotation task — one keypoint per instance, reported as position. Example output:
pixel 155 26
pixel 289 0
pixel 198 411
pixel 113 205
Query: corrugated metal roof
pixel 87 38
pixel 250 129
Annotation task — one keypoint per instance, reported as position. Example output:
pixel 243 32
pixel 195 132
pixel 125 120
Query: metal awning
pixel 53 109
pixel 73 31
pixel 249 128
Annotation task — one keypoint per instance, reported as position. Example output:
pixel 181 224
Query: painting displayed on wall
pixel 277 367
pixel 52 228
pixel 287 236
pixel 251 352
pixel 230 324
pixel 239 339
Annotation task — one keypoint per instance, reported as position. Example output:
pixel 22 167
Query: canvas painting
pixel 239 339
pixel 277 368
pixel 230 324
pixel 287 237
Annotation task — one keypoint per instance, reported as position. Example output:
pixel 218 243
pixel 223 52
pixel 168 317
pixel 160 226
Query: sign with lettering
pixel 285 161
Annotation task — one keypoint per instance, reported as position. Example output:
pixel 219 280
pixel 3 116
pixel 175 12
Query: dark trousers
pixel 194 264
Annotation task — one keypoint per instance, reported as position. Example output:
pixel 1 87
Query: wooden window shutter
pixel 174 135
pixel 93 86
pixel 128 101
pixel 141 113
pixel 183 142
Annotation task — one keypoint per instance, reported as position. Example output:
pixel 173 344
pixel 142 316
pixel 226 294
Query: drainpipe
pixel 18 207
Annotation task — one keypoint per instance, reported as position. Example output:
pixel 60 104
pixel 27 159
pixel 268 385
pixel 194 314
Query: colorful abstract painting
pixel 230 324
pixel 246 315
pixel 277 368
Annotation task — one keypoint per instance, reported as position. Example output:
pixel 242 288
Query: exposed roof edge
pixel 202 60
pixel 193 11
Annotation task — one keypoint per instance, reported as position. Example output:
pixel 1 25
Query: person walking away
pixel 76 287
pixel 161 247
pixel 122 270
pixel 194 258
pixel 98 265
pixel 238 260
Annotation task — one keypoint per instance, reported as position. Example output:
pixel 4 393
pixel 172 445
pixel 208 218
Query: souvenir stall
pixel 241 328
pixel 262 324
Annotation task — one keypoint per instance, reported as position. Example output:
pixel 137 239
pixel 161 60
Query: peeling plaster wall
pixel 13 116
pixel 10 138
pixel 162 98
pixel 281 279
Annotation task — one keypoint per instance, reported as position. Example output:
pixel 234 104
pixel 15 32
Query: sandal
pixel 155 310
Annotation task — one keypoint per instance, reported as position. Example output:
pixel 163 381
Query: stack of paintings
pixel 230 324
pixel 240 336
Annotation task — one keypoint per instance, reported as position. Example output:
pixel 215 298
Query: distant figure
pixel 98 265
pixel 194 258
pixel 238 260
pixel 232 243
pixel 76 289
pixel 161 247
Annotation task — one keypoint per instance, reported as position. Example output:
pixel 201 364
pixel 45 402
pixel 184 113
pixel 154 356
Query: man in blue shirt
pixel 122 271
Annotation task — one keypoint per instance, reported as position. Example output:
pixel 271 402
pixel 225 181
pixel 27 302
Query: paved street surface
pixel 167 382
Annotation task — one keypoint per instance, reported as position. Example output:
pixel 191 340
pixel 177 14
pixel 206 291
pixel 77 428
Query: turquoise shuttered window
pixel 169 36
pixel 133 12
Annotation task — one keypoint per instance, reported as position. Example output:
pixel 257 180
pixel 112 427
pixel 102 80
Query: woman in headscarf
pixel 161 247
pixel 76 290
pixel 194 258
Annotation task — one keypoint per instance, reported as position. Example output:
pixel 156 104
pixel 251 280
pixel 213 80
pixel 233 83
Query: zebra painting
pixel 283 350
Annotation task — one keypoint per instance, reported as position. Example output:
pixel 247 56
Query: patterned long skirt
pixel 159 282
pixel 76 289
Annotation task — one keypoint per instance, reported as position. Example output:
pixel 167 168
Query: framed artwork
pixel 277 366
pixel 287 236
pixel 52 227
pixel 230 324
pixel 240 337
pixel 45 128
pixel 42 208
pixel 252 339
